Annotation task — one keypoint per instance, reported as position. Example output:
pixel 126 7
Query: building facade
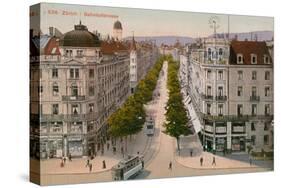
pixel 225 93
pixel 76 84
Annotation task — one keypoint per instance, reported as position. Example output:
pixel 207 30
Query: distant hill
pixel 260 35
pixel 170 40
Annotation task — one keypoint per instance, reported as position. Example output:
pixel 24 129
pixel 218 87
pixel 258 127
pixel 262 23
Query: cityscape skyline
pixel 145 22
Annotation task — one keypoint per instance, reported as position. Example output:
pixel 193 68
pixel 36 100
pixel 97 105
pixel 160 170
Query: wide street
pixel 158 150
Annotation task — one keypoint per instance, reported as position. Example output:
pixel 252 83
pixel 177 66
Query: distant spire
pixel 133 44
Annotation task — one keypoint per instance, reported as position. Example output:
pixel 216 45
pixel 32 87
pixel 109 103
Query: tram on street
pixel 149 126
pixel 128 168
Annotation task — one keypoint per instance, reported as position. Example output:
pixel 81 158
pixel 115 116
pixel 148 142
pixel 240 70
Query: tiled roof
pixel 246 48
pixel 111 46
pixel 52 47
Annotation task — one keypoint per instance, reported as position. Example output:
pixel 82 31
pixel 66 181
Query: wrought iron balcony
pixel 74 98
pixel 208 97
pixel 254 98
pixel 233 118
pixel 221 98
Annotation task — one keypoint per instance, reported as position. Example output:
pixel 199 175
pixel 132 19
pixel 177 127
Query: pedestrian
pixel 70 157
pixel 170 165
pixel 250 161
pixel 214 161
pixel 61 164
pixel 90 167
pixel 201 161
pixel 64 160
pixel 88 163
pixel 191 152
pixel 103 164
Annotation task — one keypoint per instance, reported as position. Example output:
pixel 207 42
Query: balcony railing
pixel 254 98
pixel 221 98
pixel 74 98
pixel 207 97
pixel 232 118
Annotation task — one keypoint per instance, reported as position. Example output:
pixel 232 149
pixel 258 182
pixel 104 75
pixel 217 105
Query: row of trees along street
pixel 176 115
pixel 130 117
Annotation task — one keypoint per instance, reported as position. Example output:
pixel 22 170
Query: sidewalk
pixel 233 161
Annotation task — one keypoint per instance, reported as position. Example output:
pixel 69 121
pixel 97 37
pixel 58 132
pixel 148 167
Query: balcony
pixel 221 98
pixel 233 118
pixel 207 97
pixel 74 98
pixel 254 98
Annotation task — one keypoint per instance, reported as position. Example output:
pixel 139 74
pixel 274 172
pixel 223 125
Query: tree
pixel 176 116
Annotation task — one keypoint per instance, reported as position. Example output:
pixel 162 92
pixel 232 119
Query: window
pixel 74 90
pixel 220 91
pixel 209 73
pixel 220 109
pixel 265 139
pixel 266 126
pixel 79 53
pixel 254 91
pixel 209 91
pixel 74 73
pixel 239 59
pixel 253 139
pixel 209 53
pixel 240 75
pixel 74 108
pixel 254 109
pixel 266 59
pixel 220 75
pixel 254 75
pixel 267 75
pixel 209 109
pixel 239 109
pixel 91 90
pixel 55 89
pixel 239 91
pixel 91 73
pixel 41 89
pixel 267 91
pixel 55 109
pixel 68 53
pixel 253 128
pixel 55 73
pixel 91 107
pixel 266 109
pixel 253 58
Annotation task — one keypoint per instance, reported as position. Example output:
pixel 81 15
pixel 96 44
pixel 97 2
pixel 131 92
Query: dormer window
pixel 239 59
pixel 253 58
pixel 266 59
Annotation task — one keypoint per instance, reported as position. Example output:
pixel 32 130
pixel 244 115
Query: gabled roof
pixel 246 48
pixel 52 47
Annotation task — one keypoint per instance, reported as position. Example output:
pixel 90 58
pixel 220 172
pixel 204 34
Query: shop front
pixel 75 146
pixel 238 144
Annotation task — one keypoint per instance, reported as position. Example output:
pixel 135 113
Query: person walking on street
pixel 201 161
pixel 90 167
pixel 250 161
pixel 214 161
pixel 70 157
pixel 103 164
pixel 64 160
pixel 191 152
pixel 170 165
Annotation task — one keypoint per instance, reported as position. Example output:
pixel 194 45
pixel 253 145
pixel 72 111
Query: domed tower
pixel 117 30
pixel 80 42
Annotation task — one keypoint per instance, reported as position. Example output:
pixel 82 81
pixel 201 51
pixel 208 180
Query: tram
pixel 128 168
pixel 149 126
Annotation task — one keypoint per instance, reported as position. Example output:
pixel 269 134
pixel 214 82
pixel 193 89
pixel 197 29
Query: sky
pixel 144 22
